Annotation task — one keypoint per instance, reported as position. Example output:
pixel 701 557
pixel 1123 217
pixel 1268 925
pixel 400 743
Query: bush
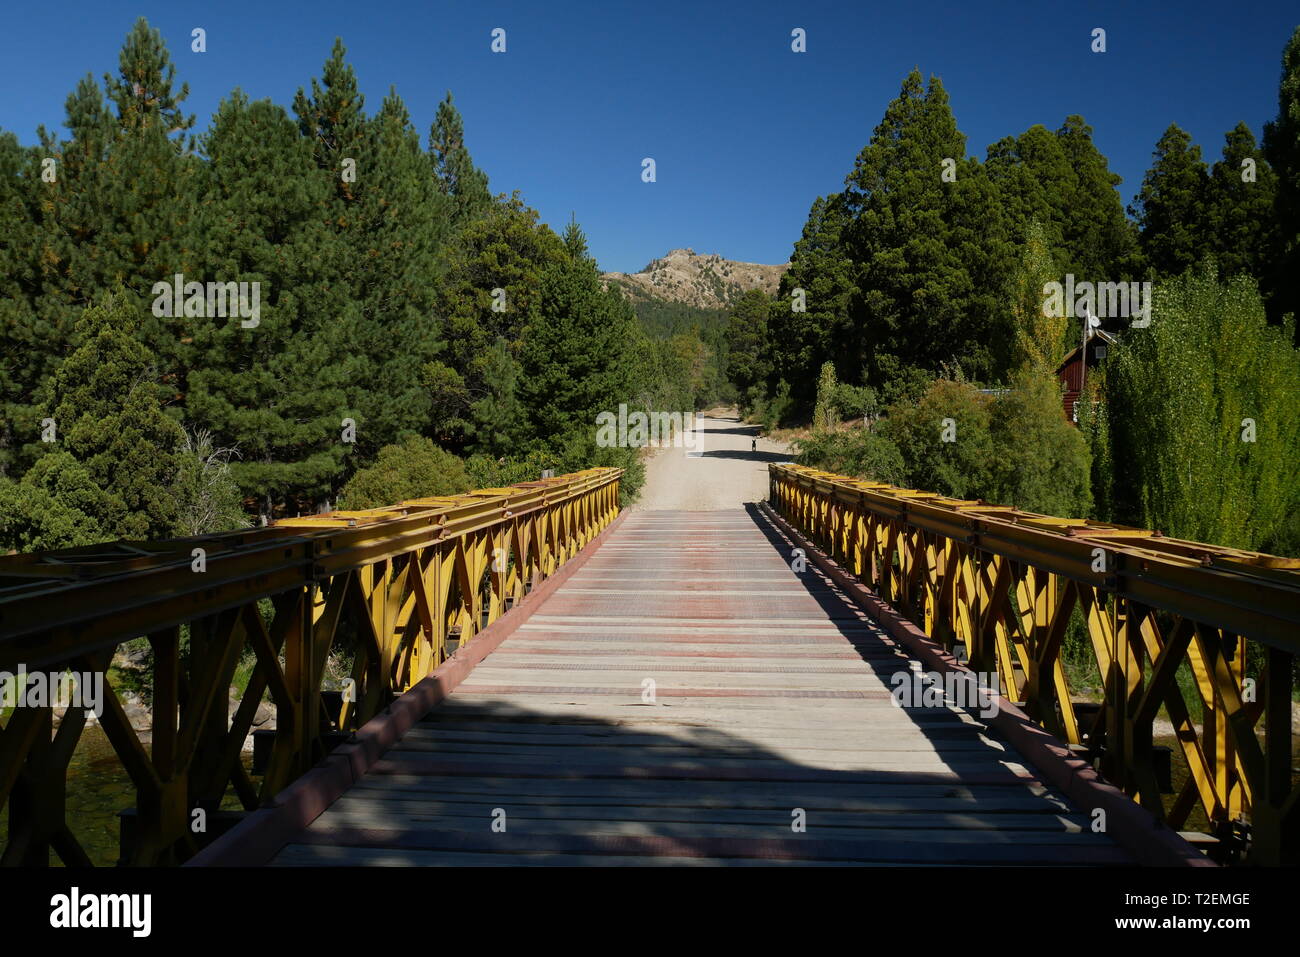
pixel 1040 461
pixel 580 451
pixel 860 453
pixel 55 505
pixel 770 413
pixel 488 472
pixel 857 401
pixel 944 439
pixel 413 468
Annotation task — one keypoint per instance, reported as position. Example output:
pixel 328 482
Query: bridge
pixel 845 673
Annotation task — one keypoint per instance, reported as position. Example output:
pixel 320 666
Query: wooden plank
pixel 828 794
pixel 379 809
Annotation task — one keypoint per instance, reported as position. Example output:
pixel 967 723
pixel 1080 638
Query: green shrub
pixel 944 439
pixel 413 468
pixel 860 453
pixel 1040 461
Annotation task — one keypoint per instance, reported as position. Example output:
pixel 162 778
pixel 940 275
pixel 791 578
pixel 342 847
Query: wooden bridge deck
pixel 772 694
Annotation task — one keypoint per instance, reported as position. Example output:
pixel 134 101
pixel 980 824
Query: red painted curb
pixel 1132 826
pixel 257 838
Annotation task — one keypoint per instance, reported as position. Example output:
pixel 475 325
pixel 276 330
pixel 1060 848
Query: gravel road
pixel 718 471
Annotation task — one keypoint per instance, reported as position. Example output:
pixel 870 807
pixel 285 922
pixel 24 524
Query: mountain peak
pixel 708 280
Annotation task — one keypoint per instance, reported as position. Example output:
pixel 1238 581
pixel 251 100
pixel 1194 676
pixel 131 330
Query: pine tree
pixel 574 350
pixel 1170 209
pixel 748 362
pixel 1282 147
pixel 808 321
pixel 402 223
pixel 276 392
pixel 1097 237
pixel 932 256
pixel 453 169
pixel 24 359
pixel 1240 199
pixel 497 418
pixel 142 89
pixel 333 120
pixel 491 287
pixel 388 222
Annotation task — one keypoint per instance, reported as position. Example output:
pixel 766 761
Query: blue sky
pixel 745 133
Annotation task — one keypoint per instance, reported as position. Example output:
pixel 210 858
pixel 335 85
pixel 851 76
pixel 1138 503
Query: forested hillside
pixel 384 324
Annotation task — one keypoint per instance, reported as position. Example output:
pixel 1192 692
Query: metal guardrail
pixel 1004 585
pixel 402 585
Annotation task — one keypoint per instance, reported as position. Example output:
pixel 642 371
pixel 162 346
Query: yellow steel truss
pixel 1003 585
pixel 400 584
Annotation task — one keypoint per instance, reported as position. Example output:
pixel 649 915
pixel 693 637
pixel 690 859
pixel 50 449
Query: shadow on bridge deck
pixel 771 738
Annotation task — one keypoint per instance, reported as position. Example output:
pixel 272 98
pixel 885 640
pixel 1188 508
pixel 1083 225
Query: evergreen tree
pixel 505 250
pixel 1038 185
pixel 277 391
pixel 498 419
pixel 1239 207
pixel 453 169
pixel 1282 147
pixel 748 364
pixel 149 185
pixel 56 504
pixel 118 211
pixel 808 322
pixel 388 221
pixel 142 88
pixel 104 400
pixel 574 353
pixel 24 359
pixel 932 255
pixel 1170 209
pixel 333 119
pixel 393 258
pixel 413 468
pixel 1100 241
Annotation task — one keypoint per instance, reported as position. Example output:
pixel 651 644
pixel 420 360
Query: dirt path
pixel 719 471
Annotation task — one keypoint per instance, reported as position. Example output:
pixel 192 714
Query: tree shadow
pixel 743 455
pixel 484 780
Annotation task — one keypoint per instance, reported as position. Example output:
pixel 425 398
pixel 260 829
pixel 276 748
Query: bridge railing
pixel 401 587
pixel 1005 585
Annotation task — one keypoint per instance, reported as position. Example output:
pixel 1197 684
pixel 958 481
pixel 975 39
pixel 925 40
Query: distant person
pixel 753 446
